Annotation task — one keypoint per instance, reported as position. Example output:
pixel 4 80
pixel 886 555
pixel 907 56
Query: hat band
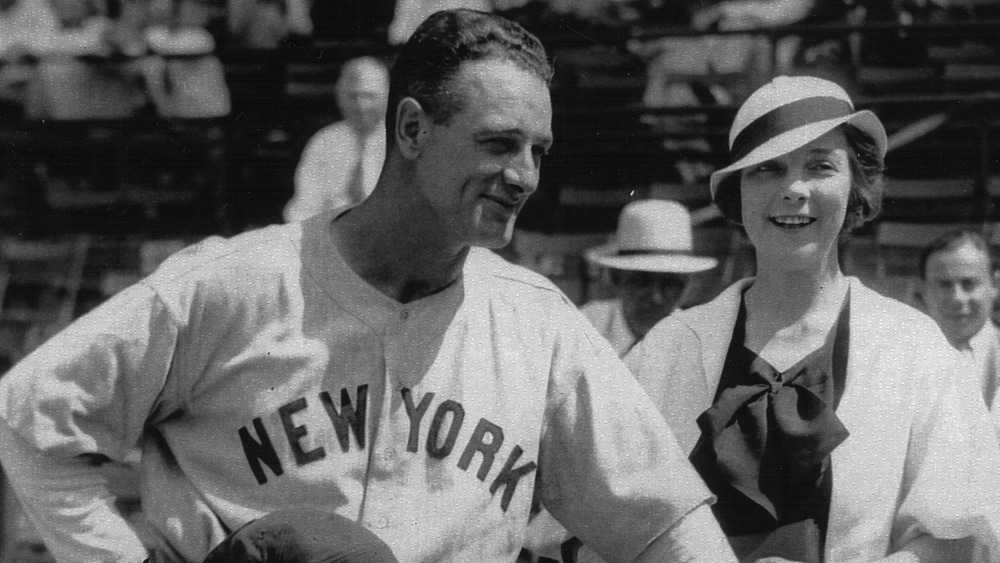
pixel 785 118
pixel 654 252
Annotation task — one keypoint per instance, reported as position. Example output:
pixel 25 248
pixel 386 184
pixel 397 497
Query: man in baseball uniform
pixel 376 361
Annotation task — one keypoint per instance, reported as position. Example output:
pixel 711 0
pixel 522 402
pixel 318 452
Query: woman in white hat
pixel 651 258
pixel 828 420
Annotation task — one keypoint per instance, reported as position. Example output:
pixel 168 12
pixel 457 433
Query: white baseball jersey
pixel 261 373
pixel 608 317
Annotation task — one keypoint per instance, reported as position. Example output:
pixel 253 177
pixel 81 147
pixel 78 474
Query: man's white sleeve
pixel 69 503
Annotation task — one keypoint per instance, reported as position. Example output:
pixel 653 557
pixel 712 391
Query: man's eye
pixel 499 145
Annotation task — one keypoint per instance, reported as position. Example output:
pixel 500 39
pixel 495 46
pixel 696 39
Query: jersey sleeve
pixel 88 390
pixel 610 468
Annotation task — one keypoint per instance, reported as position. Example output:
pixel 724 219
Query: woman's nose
pixel 795 189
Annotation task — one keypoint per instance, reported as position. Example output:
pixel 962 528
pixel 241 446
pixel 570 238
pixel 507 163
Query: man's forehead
pixel 505 98
pixel 960 262
pixel 501 76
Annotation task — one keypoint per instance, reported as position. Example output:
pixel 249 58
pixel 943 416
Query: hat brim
pixel 609 257
pixel 788 141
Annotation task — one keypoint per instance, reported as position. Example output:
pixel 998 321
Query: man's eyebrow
pixel 487 130
pixel 545 141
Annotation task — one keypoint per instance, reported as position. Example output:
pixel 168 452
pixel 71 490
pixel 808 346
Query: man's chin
pixel 496 238
pixel 493 243
pixel 959 333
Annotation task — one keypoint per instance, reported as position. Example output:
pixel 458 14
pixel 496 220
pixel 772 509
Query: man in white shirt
pixel 959 289
pixel 341 163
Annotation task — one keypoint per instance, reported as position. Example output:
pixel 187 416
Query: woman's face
pixel 794 205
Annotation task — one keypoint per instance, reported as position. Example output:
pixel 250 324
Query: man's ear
pixel 412 125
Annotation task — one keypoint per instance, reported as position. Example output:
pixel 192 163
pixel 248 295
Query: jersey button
pixel 382 522
pixel 405 314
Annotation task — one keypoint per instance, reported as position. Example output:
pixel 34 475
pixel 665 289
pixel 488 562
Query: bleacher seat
pixel 40 288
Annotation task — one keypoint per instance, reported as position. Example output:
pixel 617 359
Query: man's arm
pixel 644 501
pixel 86 393
pixel 696 537
pixel 68 501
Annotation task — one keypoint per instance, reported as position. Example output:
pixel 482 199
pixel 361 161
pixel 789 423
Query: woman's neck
pixel 790 312
pixel 793 293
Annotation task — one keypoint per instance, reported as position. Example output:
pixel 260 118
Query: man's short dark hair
pixel 434 53
pixel 952 240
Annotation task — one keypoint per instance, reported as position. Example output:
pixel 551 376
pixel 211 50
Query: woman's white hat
pixel 785 114
pixel 653 235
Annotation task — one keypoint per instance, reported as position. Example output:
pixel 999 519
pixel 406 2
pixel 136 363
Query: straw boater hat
pixel 652 236
pixel 787 113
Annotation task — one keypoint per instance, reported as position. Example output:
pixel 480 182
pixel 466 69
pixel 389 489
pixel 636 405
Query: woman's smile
pixel 792 222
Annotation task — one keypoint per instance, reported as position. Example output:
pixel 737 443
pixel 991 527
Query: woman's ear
pixel 412 126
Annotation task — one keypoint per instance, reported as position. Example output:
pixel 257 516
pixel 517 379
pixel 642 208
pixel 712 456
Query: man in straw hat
pixel 651 258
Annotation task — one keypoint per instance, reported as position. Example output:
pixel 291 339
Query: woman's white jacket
pixel 922 456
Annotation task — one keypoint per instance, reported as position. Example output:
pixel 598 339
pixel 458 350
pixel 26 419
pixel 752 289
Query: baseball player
pixel 377 361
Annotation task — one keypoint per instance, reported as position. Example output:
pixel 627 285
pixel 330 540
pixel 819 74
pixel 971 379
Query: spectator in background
pixel 724 69
pixel 183 76
pixel 959 287
pixel 57 62
pixel 409 13
pixel 340 165
pixel 264 24
pixel 651 261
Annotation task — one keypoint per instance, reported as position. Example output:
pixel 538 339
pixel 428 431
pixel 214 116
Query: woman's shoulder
pixel 720 310
pixel 704 326
pixel 889 314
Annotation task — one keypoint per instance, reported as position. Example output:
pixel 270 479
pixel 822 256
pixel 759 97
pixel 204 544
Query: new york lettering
pixel 432 430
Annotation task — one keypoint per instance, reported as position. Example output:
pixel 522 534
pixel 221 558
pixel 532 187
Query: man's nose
pixel 959 294
pixel 659 294
pixel 522 172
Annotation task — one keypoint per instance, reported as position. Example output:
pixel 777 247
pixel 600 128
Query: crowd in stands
pixel 82 59
pixel 71 59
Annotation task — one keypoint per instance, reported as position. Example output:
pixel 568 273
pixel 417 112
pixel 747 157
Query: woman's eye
pixel 766 167
pixel 823 165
